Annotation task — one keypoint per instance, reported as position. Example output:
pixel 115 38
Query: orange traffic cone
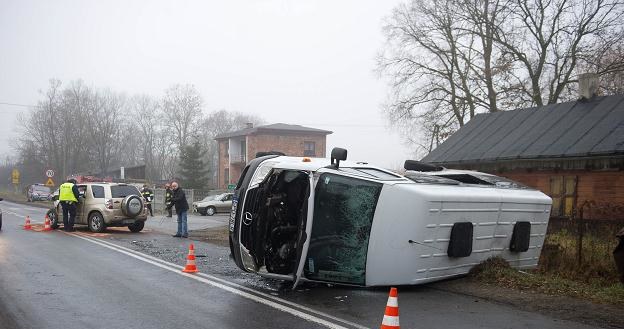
pixel 391 316
pixel 191 267
pixel 47 226
pixel 27 225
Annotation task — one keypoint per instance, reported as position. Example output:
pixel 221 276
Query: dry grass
pixel 559 257
pixel 497 271
pixel 21 198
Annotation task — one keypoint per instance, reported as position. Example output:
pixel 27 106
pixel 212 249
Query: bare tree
pixel 80 129
pixel 448 60
pixel 104 119
pixel 148 122
pixel 182 109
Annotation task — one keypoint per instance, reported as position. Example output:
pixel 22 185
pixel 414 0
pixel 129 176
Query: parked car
pixel 104 205
pixel 211 205
pixel 38 192
pixel 333 221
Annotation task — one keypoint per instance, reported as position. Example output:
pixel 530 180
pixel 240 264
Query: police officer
pixel 68 196
pixel 168 197
pixel 148 195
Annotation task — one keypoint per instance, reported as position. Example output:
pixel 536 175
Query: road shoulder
pixel 560 307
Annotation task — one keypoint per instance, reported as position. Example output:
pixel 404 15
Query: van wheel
pixel 96 223
pixel 136 227
pixel 210 211
pixel 54 224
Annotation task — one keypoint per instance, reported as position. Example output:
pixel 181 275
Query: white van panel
pixel 426 213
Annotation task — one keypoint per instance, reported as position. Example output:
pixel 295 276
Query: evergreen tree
pixel 193 171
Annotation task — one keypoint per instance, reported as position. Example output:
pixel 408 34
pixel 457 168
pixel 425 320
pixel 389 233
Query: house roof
pixel 584 128
pixel 274 128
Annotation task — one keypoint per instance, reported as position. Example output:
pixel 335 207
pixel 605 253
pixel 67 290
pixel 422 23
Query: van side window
pixel 98 191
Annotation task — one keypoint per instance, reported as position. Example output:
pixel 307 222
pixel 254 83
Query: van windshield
pixel 343 214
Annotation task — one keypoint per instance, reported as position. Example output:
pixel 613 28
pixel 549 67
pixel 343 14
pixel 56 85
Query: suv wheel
pixel 136 227
pixel 210 211
pixel 53 219
pixel 96 222
pixel 132 205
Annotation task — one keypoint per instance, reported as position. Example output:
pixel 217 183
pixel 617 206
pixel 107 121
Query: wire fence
pixel 191 196
pixel 581 247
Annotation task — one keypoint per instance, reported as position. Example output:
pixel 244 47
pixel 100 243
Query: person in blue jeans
pixel 178 200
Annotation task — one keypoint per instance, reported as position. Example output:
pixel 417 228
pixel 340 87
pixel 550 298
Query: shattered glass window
pixel 343 214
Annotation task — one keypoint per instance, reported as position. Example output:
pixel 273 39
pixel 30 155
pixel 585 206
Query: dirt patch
pixel 216 235
pixel 561 307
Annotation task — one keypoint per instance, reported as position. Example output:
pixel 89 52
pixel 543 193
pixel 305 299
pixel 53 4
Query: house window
pixel 226 176
pixel 563 194
pixel 309 149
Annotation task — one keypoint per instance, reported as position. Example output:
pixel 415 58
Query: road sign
pixel 50 173
pixel 15 176
pixel 50 182
pixel 231 186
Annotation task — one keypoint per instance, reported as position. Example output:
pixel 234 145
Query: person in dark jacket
pixel 181 205
pixel 68 197
pixel 148 195
pixel 168 196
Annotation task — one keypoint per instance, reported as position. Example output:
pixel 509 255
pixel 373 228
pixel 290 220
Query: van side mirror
pixel 338 154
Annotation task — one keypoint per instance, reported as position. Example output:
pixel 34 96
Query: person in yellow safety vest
pixel 148 195
pixel 68 197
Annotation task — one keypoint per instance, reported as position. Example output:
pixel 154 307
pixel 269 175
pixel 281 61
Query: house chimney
pixel 249 125
pixel 588 85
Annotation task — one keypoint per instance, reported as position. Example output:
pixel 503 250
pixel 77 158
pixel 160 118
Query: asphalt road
pixel 124 280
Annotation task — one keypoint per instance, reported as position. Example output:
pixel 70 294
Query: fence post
pixel 581 231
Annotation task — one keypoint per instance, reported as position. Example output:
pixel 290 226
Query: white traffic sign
pixel 50 173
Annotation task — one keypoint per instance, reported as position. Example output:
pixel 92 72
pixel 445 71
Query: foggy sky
pixel 299 62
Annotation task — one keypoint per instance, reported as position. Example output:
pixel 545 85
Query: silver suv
pixel 102 205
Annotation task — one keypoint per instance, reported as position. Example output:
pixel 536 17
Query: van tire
pixel 53 216
pixel 136 227
pixel 96 222
pixel 211 211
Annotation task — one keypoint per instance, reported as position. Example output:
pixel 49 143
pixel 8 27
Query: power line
pixel 18 105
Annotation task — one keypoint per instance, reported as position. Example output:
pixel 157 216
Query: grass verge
pixel 497 271
pixel 217 235
pixel 21 198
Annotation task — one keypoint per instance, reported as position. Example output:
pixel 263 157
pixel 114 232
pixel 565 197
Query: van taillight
pixel 109 203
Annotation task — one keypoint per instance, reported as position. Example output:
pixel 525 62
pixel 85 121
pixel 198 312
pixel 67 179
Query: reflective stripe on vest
pixel 66 192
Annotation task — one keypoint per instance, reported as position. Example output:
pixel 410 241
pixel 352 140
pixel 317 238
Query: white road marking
pixel 266 299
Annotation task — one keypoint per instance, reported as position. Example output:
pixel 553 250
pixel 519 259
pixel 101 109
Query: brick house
pixel 237 147
pixel 574 151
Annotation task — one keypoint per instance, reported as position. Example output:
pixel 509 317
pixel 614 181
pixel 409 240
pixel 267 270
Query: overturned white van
pixel 308 219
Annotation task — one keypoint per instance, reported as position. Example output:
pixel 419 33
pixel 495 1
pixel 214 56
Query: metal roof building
pixel 572 151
